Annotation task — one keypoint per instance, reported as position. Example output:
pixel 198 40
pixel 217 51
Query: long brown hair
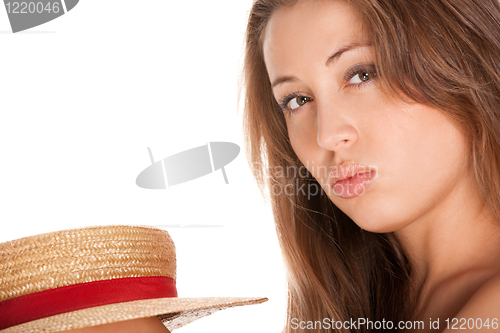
pixel 443 53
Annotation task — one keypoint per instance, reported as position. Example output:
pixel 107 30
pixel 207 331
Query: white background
pixel 83 96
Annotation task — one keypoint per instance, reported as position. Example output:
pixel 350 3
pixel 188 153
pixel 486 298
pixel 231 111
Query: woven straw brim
pixel 174 313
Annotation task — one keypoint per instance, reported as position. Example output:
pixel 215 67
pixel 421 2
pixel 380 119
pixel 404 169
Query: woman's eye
pixel 361 77
pixel 297 102
pixel 360 74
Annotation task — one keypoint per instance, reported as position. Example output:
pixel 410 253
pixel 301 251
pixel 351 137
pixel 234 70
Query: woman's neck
pixel 459 236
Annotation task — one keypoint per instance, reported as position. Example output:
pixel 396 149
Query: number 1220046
pixel 462 323
pixel 32 7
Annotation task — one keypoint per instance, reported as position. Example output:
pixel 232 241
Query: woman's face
pixel 384 162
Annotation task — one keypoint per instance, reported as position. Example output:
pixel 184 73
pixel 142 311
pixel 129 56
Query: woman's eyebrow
pixel 283 79
pixel 340 52
pixel 333 58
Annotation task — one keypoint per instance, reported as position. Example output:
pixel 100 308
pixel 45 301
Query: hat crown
pixel 47 261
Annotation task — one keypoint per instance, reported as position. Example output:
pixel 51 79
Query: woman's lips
pixel 350 181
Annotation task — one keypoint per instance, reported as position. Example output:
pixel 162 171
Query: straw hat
pixel 93 276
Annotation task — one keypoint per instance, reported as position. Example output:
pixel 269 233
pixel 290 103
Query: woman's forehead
pixel 312 31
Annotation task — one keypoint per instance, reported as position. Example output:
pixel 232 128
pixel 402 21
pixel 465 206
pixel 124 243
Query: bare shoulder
pixel 482 307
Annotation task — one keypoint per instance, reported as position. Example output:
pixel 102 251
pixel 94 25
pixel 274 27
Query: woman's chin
pixel 378 223
pixel 377 228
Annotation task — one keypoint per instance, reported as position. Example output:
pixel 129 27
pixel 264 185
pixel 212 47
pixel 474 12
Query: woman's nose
pixel 335 131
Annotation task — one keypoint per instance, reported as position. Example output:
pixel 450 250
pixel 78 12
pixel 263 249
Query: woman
pixel 393 106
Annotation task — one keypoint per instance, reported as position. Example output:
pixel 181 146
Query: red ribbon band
pixel 55 301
